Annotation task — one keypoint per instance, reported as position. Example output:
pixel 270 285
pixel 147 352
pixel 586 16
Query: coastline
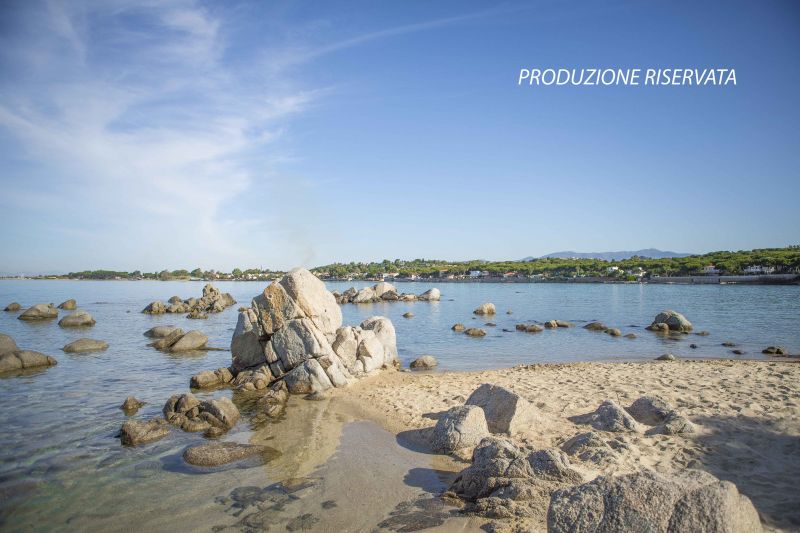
pixel 746 415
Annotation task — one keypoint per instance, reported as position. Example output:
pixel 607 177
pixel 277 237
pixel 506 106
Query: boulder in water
pixel 424 362
pixel 78 319
pixel 222 453
pixel 674 321
pixel 136 432
pixel 39 312
pixel 475 332
pixel 485 309
pixel 431 295
pixel 192 340
pixel 13 306
pixel 85 345
pixel 68 305
pixel 24 359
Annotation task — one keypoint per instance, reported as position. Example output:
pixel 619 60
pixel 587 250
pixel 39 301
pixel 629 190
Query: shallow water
pixel 62 467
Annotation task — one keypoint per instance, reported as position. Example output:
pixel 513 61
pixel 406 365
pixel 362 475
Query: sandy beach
pixel 746 413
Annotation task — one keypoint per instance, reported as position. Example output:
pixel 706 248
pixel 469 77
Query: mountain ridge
pixel 652 253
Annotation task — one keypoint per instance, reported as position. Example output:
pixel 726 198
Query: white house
pixel 758 269
pixel 710 270
pixel 612 269
pixel 475 273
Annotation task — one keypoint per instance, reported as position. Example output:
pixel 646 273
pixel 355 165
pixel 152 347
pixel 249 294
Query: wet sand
pixel 746 414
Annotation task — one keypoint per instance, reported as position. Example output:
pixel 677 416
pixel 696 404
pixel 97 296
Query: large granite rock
pixel 293 332
pixel 462 426
pixel 24 359
pixel 136 432
pixel 485 309
pixel 78 319
pixel 674 320
pixel 431 295
pixel 192 340
pixel 645 501
pixel 39 312
pixel 506 411
pixel 212 301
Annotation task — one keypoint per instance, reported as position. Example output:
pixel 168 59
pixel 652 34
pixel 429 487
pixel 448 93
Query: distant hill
pixel 652 253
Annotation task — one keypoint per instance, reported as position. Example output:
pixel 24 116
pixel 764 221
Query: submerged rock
pixel 674 321
pixel 475 332
pixel 85 345
pixel 68 305
pixel 135 432
pixel 24 359
pixel 131 405
pixel 595 326
pixel 78 319
pixel 39 312
pixel 485 309
pixel 505 410
pixel 221 453
pixel 424 362
pixel 13 306
pixel 461 427
pixel 645 501
pixel 458 327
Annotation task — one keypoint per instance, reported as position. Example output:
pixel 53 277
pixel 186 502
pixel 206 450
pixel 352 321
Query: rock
pixel 39 312
pixel 385 332
pixel 551 324
pixel 197 314
pixel 595 326
pixel 650 410
pixel 209 378
pixel 314 300
pixel 729 344
pixel 614 332
pixel 370 352
pixel 390 296
pixel 155 308
pixel 346 345
pixel 13 306
pixel 191 414
pixel 658 327
pixel 192 340
pixel 131 405
pixel 564 324
pixel 159 332
pixel 365 295
pixel 533 328
pixel 630 335
pixel 85 345
pixel 609 417
pixel 589 447
pixel 431 295
pixel 307 378
pixel 646 501
pixel 298 341
pixel 164 343
pixel 382 288
pixel 665 357
pixel 674 321
pixel 461 427
pixel 674 424
pixel 737 352
pixel 247 348
pixel 68 305
pixel 693 346
pixel 222 453
pixel 135 432
pixel 475 332
pixel 7 344
pixel 424 362
pixel 485 309
pixel 703 333
pixel 409 314
pixel 505 410
pixel 458 327
pixel 24 359
pixel 78 319
pixel 175 300
pixel 775 350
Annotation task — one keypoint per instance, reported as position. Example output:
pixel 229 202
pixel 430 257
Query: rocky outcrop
pixel 85 345
pixel 646 501
pixel 293 332
pixel 222 453
pixel 78 319
pixel 190 414
pixel 424 362
pixel 136 432
pixel 23 360
pixel 505 411
pixel 674 321
pixel 39 312
pixel 212 301
pixel 68 305
pixel 13 306
pixel 485 309
pixel 384 292
pixel 462 426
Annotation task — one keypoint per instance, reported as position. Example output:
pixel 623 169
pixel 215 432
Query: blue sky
pixel 176 134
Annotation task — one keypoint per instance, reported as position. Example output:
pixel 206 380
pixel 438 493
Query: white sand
pixel 746 413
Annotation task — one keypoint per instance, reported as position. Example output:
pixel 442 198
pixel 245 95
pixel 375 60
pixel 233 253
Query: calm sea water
pixel 62 468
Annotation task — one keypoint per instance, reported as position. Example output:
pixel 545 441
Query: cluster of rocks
pixel 472 332
pixel 212 301
pixel 384 292
pixel 650 415
pixel 172 339
pixel 13 359
pixel 602 328
pixel 667 321
pixel 489 409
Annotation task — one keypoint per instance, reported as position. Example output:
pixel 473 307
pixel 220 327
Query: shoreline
pixel 746 414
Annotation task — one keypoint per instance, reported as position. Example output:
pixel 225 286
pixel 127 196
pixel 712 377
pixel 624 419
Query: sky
pixel 150 135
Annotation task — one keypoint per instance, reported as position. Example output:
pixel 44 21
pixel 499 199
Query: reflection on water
pixel 62 467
